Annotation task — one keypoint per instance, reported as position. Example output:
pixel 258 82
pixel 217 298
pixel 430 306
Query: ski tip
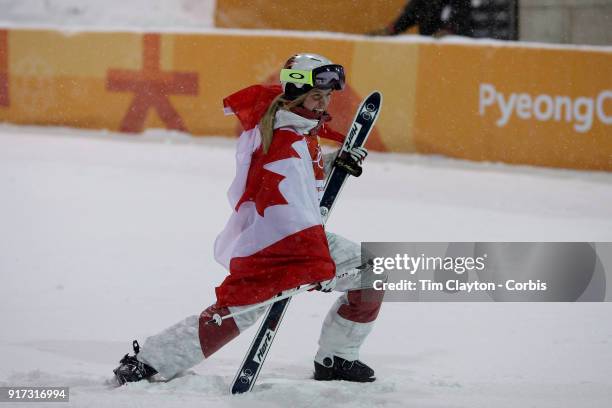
pixel 376 94
pixel 238 388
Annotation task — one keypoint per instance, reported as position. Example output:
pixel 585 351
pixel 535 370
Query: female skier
pixel 275 240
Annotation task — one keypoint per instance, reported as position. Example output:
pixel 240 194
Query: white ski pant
pixel 346 326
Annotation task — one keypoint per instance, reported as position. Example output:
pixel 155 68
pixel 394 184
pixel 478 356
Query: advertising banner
pixel 487 102
pixel 548 107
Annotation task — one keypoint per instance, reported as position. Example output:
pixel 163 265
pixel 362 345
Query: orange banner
pixel 4 89
pixel 549 107
pixel 129 82
pixel 343 16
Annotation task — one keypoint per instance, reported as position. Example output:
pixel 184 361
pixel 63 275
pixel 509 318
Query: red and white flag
pixel 274 239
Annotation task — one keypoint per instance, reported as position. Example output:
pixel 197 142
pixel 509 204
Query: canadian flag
pixel 274 239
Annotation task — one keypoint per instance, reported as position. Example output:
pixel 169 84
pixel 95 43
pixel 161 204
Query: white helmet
pixel 302 72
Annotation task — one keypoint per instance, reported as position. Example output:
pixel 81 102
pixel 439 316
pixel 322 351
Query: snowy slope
pixel 132 14
pixel 105 238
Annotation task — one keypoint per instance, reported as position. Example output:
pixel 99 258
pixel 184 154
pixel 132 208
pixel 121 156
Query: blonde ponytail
pixel 266 124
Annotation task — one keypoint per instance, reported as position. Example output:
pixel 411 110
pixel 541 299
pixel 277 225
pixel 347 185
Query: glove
pixel 358 154
pixel 351 160
pixel 328 285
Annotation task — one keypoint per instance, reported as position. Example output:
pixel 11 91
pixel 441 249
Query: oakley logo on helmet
pixel 302 72
pixel 325 77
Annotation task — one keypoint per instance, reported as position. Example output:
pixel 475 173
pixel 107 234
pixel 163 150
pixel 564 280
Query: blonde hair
pixel 266 124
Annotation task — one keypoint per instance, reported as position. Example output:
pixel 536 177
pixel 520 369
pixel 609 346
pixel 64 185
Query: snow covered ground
pixel 92 14
pixel 107 238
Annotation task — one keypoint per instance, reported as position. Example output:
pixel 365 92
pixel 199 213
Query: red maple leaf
pixel 262 184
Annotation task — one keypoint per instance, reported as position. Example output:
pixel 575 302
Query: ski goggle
pixel 325 77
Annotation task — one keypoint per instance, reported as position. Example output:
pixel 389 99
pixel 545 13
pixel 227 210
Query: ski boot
pixel 341 369
pixel 131 369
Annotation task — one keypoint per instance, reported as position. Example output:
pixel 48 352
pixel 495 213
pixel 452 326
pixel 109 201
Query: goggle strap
pixel 296 76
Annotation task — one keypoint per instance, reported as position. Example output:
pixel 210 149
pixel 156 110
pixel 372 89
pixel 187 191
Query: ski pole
pixel 218 319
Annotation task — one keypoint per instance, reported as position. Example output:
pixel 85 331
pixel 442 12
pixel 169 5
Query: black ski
pixel 253 361
pixel 358 134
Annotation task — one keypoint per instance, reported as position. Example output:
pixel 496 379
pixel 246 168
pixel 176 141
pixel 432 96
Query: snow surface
pixel 91 14
pixel 106 238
